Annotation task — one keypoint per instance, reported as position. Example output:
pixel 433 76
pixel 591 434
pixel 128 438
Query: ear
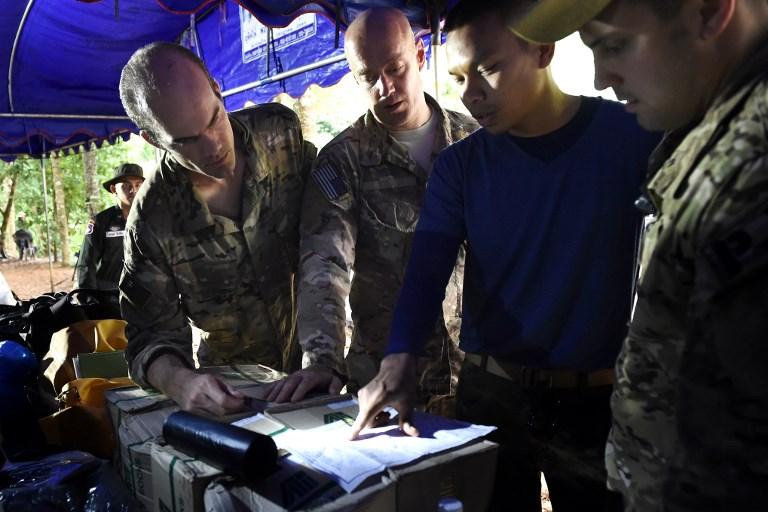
pixel 112 188
pixel 216 89
pixel 421 53
pixel 546 53
pixel 714 16
pixel 147 137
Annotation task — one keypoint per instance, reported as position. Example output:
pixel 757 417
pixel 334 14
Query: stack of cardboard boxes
pixel 165 479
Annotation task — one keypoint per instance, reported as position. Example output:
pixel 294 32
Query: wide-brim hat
pixel 122 172
pixel 549 21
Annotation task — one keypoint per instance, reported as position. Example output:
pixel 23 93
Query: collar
pixel 194 214
pixel 375 136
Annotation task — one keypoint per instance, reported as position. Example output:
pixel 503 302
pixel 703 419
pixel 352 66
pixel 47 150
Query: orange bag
pixel 84 336
pixel 83 423
pixel 90 392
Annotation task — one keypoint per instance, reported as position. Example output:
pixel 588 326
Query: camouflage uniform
pixel 690 405
pixel 362 218
pixel 233 281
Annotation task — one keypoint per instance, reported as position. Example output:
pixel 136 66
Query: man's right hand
pixel 192 391
pixel 395 386
pixel 296 386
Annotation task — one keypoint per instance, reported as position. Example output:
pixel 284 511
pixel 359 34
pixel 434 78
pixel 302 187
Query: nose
pixel 471 92
pixel 606 77
pixel 384 86
pixel 210 142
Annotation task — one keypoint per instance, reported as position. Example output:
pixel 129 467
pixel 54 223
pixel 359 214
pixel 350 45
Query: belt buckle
pixel 534 378
pixel 529 377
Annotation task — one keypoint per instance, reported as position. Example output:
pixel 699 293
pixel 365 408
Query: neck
pixel 126 209
pixel 424 113
pixel 420 117
pixel 745 38
pixel 549 109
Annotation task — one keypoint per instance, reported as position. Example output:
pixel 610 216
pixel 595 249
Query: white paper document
pixel 328 449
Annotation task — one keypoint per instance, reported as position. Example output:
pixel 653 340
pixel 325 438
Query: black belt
pixel 535 377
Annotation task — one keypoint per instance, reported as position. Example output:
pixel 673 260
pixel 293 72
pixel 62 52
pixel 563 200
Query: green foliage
pixel 324 126
pixel 29 196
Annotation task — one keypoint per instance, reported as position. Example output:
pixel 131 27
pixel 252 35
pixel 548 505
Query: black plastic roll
pixel 230 448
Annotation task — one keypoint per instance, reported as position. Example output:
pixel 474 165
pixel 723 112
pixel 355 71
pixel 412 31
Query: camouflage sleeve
pixel 327 255
pixel 149 302
pixel 85 269
pixel 723 389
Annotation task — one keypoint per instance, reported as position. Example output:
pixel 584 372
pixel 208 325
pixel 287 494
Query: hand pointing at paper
pixel 395 386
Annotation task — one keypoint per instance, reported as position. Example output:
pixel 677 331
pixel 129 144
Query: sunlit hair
pixel 138 84
pixel 469 11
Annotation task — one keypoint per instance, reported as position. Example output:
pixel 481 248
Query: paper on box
pixel 315 412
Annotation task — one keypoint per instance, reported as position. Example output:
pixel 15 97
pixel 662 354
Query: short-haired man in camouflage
pixel 212 239
pixel 359 214
pixel 690 405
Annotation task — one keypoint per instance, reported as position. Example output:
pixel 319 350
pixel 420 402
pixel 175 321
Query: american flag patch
pixel 330 182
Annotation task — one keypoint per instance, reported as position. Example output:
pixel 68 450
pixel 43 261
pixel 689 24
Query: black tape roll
pixel 233 449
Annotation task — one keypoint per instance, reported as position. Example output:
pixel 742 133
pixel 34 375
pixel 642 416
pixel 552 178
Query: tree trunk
pixel 91 184
pixel 60 209
pixel 7 213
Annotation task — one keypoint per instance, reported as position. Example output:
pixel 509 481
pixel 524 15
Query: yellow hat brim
pixel 551 20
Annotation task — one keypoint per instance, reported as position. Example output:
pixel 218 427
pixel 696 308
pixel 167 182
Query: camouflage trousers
pixel 561 432
pixel 438 373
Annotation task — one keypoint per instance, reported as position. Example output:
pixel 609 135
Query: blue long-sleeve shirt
pixel 550 227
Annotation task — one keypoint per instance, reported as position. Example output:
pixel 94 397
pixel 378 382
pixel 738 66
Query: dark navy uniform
pixel 101 257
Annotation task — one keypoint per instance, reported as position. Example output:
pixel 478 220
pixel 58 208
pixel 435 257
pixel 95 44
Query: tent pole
pixel 19 115
pixel 434 66
pixel 436 39
pixel 13 52
pixel 284 75
pixel 47 224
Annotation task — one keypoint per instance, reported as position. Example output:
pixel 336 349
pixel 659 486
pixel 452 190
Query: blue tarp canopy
pixel 60 60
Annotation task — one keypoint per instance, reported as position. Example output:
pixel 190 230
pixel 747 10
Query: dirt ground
pixel 31 278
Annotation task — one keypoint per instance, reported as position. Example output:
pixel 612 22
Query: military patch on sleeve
pixel 742 250
pixel 330 182
pixel 89 228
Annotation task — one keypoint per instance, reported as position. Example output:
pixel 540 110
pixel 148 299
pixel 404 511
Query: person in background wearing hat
pixel 101 256
pixel 690 406
pixel 543 197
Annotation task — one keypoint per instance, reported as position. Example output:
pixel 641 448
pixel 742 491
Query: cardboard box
pixel 137 417
pixel 136 436
pixel 132 400
pixel 465 473
pixel 173 481
pixel 125 403
pixel 179 480
pixel 138 477
pixel 296 487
